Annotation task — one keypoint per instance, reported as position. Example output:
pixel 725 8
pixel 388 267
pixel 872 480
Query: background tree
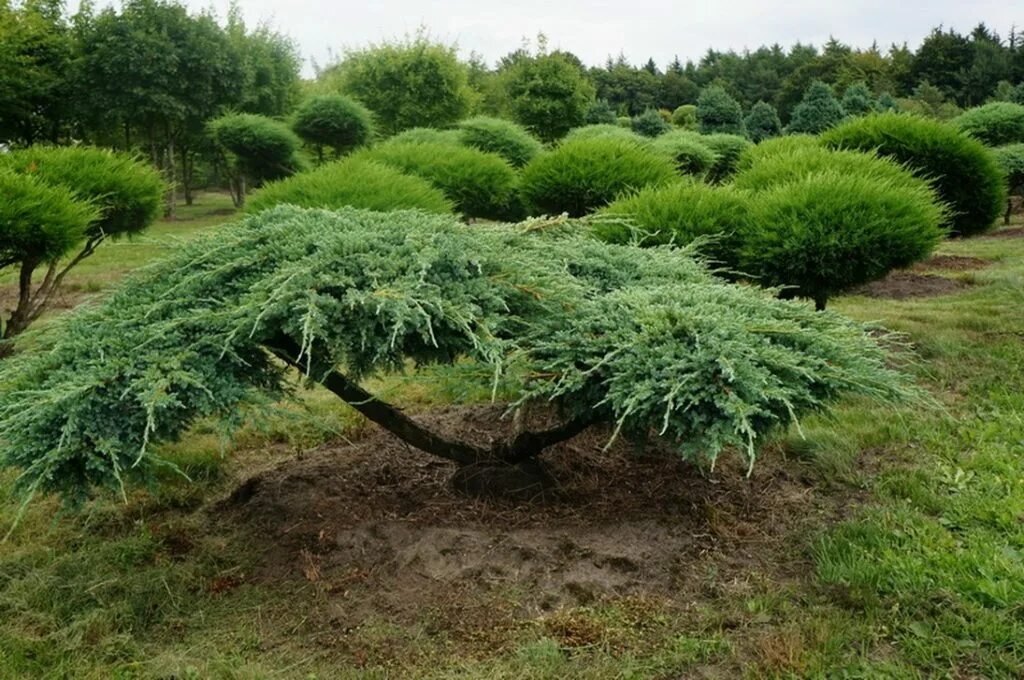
pixel 549 94
pixel 650 124
pixel 818 111
pixel 719 112
pixel 600 113
pixel 333 121
pixel 410 83
pixel 762 122
pixel 857 100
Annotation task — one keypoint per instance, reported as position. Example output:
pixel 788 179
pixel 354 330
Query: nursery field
pixel 874 542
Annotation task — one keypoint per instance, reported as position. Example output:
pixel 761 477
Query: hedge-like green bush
pixel 127 191
pixel 39 221
pixel 829 231
pixel 425 135
pixel 687 150
pixel 774 147
pixel 962 170
pixel 600 112
pixel 333 121
pixel 1011 161
pixel 762 122
pixel 650 124
pixel 509 140
pixel 355 182
pixel 679 213
pixel 685 116
pixel 605 131
pixel 479 184
pixel 580 175
pixel 728 149
pixel 995 124
pixel 793 162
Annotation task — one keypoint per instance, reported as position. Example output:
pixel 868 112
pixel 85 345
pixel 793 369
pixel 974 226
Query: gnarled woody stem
pixel 522 447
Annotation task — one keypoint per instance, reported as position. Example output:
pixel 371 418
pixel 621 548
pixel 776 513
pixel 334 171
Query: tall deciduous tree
pixel 549 94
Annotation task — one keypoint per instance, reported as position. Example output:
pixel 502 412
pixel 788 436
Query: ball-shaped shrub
pixel 690 154
pixel 624 121
pixel 830 231
pixel 263 149
pixel 679 213
pixel 581 175
pixel 728 149
pixel 962 170
pixel 604 132
pixel 126 191
pixel 685 116
pixel 333 121
pixel 425 135
pixel 1011 161
pixel 650 123
pixel 479 184
pixel 600 112
pixel 718 112
pixel 993 124
pixel 762 122
pixel 511 141
pixel 794 162
pixel 355 182
pixel 774 147
pixel 817 111
pixel 39 221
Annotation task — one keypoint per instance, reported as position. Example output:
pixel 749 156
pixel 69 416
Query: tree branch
pixel 522 447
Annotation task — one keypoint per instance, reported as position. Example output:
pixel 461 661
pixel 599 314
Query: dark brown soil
pixel 905 284
pixel 378 527
pixel 956 263
pixel 1008 232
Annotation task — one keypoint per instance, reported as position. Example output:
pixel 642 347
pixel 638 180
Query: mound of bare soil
pixel 906 284
pixel 379 528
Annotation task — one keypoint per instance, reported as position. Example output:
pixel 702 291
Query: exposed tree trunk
pixel 819 302
pixel 1009 208
pixel 171 171
pixel 186 173
pixel 521 448
pixel 20 317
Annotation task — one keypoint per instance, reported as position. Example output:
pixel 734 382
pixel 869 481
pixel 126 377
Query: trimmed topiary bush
pixel 762 122
pixel 817 111
pixel 728 149
pixel 685 116
pixel 718 112
pixel 624 121
pixel 774 147
pixel 425 135
pixel 257 149
pixel 994 124
pixel 639 340
pixel 689 153
pixel 479 184
pixel 355 182
pixel 509 140
pixel 680 213
pixel 961 169
pixel 829 231
pixel 581 175
pixel 604 132
pixel 333 121
pixel 1011 161
pixel 650 124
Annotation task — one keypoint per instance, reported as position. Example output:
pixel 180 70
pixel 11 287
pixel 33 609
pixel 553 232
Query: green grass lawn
pixel 922 575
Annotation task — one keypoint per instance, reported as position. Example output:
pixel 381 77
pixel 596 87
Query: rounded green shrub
pixel 680 213
pixel 333 121
pixel 263 149
pixel 857 100
pixel 685 116
pixel 817 111
pixel 479 184
pixel 774 147
pixel 690 155
pixel 509 140
pixel 1011 161
pixel 993 124
pixel 650 124
pixel 39 221
pixel 355 182
pixel 830 231
pixel 425 135
pixel 762 122
pixel 624 121
pixel 604 132
pixel 718 112
pixel 600 112
pixel 728 149
pixel 794 162
pixel 961 169
pixel 581 175
pixel 126 191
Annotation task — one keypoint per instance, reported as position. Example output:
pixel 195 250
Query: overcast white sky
pixel 638 28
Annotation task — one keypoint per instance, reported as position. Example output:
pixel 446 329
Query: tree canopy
pixel 707 365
